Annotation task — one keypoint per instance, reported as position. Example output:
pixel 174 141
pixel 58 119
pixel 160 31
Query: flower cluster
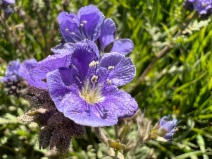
pixel 78 85
pixel 203 7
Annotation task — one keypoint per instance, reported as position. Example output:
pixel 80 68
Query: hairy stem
pixel 101 135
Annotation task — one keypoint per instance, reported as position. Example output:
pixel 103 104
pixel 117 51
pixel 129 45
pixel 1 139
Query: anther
pixel 94 79
pixel 110 67
pixel 93 63
pixel 109 81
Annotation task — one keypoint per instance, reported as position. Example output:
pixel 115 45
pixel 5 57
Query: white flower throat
pixel 92 95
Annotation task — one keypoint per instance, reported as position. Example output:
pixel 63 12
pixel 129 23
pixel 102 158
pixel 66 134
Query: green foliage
pixel 179 83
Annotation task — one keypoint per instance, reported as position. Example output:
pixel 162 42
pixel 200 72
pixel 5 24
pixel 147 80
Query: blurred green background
pixel 178 84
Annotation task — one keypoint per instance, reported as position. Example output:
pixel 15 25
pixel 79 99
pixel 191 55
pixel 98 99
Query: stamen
pixel 84 21
pixel 75 37
pixel 93 63
pixel 94 79
pixel 109 81
pixel 110 67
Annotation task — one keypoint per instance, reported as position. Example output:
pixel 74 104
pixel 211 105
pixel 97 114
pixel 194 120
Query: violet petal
pixel 107 33
pixel 56 81
pixel 91 20
pixel 122 70
pixel 39 71
pixel 123 46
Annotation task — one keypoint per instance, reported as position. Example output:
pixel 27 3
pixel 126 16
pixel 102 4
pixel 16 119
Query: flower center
pixel 91 95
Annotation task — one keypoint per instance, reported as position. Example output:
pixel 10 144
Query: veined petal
pixel 123 46
pixel 121 69
pixel 91 20
pixel 39 71
pixel 108 30
pixel 119 101
pixel 59 82
pixel 63 48
pixel 70 31
pixel 26 65
pixel 63 16
pixel 85 53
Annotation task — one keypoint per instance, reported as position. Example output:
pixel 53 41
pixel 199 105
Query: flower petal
pixel 58 83
pixel 26 65
pixel 91 20
pixel 70 31
pixel 169 136
pixel 122 70
pixel 63 16
pixel 107 33
pixel 120 102
pixel 63 48
pixel 85 53
pixel 123 46
pixel 39 71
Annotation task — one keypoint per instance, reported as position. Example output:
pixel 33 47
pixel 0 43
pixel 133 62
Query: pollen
pixel 91 95
pixel 93 63
pixel 94 79
pixel 110 67
pixel 109 81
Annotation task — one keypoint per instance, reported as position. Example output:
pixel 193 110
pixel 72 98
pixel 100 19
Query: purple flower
pixel 168 126
pixel 204 7
pixel 90 24
pixel 16 70
pixel 86 91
